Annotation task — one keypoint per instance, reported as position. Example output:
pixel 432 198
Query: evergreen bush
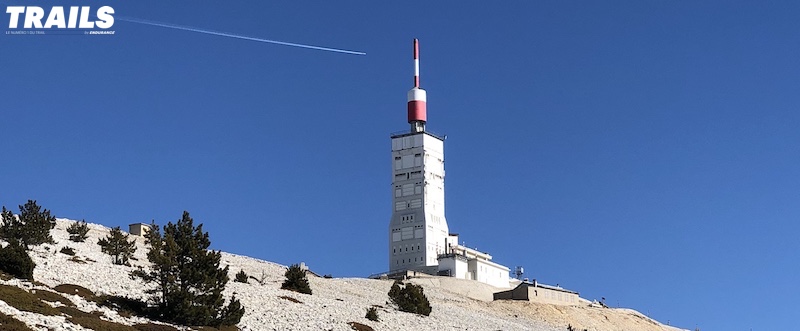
pixel 296 280
pixel 77 231
pixel 188 278
pixel 372 314
pixel 410 298
pixel 15 261
pixel 68 251
pixel 31 227
pixel 118 246
pixel 241 277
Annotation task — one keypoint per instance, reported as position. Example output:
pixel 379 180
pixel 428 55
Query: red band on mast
pixel 417 98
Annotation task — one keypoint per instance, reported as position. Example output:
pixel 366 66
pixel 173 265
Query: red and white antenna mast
pixel 417 98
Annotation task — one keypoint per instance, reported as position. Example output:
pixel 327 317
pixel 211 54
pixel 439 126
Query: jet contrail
pixel 172 26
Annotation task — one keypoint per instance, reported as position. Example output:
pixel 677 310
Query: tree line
pixel 188 277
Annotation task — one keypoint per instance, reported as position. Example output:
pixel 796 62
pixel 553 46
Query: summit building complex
pixel 419 238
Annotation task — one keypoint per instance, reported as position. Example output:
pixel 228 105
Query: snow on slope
pixel 335 302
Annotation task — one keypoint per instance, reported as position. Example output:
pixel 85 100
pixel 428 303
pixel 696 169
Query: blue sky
pixel 641 151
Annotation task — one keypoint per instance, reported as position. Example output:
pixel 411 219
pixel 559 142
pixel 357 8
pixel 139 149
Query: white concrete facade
pixel 467 263
pixel 454 266
pixel 418 227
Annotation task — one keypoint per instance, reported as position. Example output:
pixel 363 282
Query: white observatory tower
pixel 418 229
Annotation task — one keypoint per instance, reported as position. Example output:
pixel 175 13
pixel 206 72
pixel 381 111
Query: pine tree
pixel 296 280
pixel 118 246
pixel 14 260
pixel 12 227
pixel 31 227
pixel 241 277
pixel 410 298
pixel 77 231
pixel 189 280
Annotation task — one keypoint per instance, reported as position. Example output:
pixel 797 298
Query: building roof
pixel 549 287
pixel 407 133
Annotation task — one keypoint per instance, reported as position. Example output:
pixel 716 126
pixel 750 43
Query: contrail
pixel 172 26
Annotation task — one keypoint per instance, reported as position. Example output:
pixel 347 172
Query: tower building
pixel 418 228
pixel 419 239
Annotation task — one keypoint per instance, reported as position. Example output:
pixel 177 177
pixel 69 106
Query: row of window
pixel 404 261
pixel 558 296
pixel 407 175
pixel 407 161
pixel 407 189
pixel 400 250
pixel 410 204
pixel 407 219
pixel 408 233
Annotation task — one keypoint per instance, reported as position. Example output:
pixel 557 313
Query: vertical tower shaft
pixel 418 229
pixel 417 98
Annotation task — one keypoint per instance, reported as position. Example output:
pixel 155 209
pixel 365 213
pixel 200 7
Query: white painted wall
pixel 489 272
pixel 458 267
pixel 418 226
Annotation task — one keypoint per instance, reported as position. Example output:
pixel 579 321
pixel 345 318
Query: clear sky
pixel 641 151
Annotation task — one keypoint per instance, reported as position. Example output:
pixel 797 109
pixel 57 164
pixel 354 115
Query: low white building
pixel 467 263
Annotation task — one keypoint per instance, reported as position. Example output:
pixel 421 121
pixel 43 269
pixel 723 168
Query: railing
pixel 406 132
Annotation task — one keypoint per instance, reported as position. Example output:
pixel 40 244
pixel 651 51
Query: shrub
pixel 187 276
pixel 410 298
pixel 77 231
pixel 241 277
pixel 31 227
pixel 296 280
pixel 68 251
pixel 372 314
pixel 118 246
pixel 124 305
pixel 15 261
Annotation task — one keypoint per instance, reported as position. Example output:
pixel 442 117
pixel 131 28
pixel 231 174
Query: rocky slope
pixel 457 304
